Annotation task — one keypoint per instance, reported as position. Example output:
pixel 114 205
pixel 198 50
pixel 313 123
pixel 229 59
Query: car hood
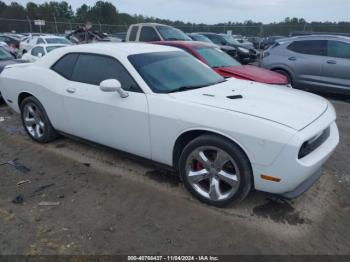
pixel 4 63
pixel 289 107
pixel 254 73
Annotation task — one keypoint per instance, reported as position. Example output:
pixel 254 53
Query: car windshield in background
pixel 215 57
pixel 57 41
pixel 50 48
pixel 201 38
pixel 231 40
pixel 171 33
pixel 5 55
pixel 167 72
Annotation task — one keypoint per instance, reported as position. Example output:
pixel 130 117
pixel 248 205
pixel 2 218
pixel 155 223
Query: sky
pixel 216 11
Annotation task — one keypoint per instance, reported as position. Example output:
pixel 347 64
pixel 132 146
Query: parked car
pixel 6 58
pixel 83 35
pixel 231 51
pixel 120 35
pixel 160 103
pixel 12 42
pixel 225 65
pixel 245 56
pixel 255 41
pixel 269 41
pixel 243 41
pixel 32 41
pixel 39 51
pixel 151 32
pixel 316 63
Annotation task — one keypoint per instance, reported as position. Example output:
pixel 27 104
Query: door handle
pixel 332 62
pixel 71 90
pixel 292 58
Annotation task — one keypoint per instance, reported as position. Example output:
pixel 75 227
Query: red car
pixel 225 65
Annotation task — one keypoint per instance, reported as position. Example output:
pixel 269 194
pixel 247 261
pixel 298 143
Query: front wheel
pixel 36 121
pixel 215 170
pixel 286 74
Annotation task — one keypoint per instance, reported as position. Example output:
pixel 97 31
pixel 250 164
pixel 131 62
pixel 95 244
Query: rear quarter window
pixel 65 65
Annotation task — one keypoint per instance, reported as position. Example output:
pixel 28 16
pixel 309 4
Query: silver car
pixel 316 63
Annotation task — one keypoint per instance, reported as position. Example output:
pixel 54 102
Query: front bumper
pixel 304 186
pixel 297 175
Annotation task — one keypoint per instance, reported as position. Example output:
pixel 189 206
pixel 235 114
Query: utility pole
pixel 55 24
pixel 30 24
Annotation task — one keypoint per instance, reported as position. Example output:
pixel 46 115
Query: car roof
pixel 186 43
pixel 142 24
pixel 313 37
pixel 205 33
pixel 119 48
pixel 48 45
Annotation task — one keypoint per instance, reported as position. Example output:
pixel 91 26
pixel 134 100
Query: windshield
pixel 5 55
pixel 167 72
pixel 201 38
pixel 50 48
pixel 231 40
pixel 171 33
pixel 57 41
pixel 215 57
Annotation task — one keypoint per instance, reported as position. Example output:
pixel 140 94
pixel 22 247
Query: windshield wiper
pixel 185 88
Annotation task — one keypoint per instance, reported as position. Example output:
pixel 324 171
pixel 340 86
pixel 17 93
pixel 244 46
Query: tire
pixel 36 122
pixel 286 74
pixel 215 170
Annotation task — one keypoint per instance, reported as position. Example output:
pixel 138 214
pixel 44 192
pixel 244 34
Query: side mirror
pixel 40 54
pixel 113 85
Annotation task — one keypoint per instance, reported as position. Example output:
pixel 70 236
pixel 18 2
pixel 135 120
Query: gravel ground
pixel 106 202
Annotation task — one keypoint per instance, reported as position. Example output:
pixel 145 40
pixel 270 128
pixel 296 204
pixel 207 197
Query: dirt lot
pixel 109 203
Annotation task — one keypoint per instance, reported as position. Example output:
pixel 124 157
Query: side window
pixel 38 50
pixel 108 68
pixel 65 65
pixel 133 33
pixel 339 49
pixel 309 47
pixel 148 34
pixel 40 41
pixel 216 39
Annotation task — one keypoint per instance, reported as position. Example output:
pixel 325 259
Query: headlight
pixel 243 50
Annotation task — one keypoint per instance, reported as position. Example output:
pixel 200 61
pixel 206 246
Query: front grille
pixel 311 145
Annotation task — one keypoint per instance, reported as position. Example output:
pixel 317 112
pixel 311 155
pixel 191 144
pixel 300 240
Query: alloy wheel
pixel 212 173
pixel 33 120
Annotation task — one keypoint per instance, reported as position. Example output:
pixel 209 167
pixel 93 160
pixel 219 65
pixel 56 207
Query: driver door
pixel 105 117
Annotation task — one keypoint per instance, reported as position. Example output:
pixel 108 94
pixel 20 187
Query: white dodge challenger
pixel 224 137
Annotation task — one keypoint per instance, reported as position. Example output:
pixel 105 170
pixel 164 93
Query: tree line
pixel 60 17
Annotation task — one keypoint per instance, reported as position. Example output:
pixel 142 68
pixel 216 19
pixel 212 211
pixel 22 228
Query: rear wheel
pixel 36 121
pixel 215 170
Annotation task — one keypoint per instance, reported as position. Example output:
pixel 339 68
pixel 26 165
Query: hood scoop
pixel 235 97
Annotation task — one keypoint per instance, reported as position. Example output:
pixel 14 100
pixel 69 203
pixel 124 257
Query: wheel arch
pixel 188 135
pixel 22 96
pixel 286 69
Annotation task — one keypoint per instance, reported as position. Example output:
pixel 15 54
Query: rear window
pixel 65 65
pixel 133 33
pixel 309 47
